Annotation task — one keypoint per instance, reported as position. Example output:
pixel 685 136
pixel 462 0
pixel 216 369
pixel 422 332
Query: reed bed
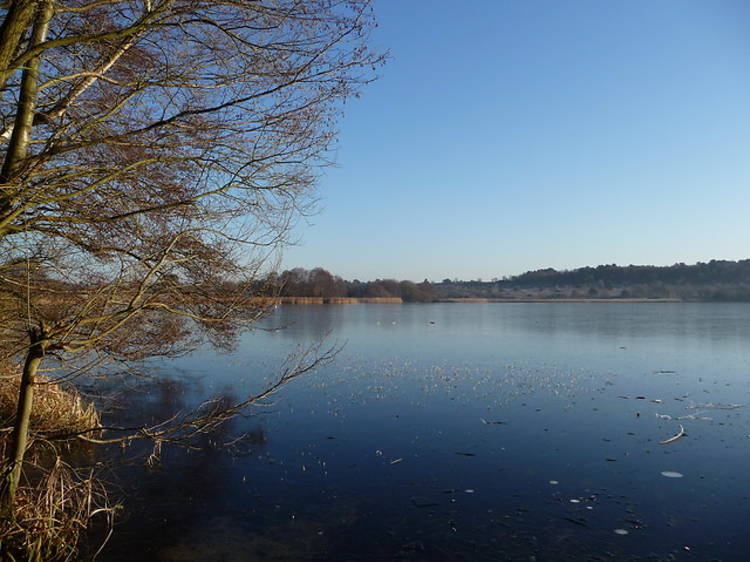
pixel 56 410
pixel 336 300
pixel 53 513
pixel 55 502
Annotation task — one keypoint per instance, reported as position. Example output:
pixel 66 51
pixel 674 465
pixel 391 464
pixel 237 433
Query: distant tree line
pixel 716 280
pixel 713 272
pixel 318 282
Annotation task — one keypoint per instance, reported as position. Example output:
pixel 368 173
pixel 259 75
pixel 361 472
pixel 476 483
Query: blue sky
pixel 513 135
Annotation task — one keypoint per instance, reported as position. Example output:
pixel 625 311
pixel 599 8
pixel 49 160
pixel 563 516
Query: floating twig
pixel 491 422
pixel 674 438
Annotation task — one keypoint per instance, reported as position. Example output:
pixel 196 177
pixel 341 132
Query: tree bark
pixel 24 121
pixel 17 20
pixel 19 139
pixel 19 439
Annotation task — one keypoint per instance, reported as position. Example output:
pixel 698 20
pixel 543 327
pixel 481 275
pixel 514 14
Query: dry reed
pixel 52 513
pixel 56 501
pixel 56 410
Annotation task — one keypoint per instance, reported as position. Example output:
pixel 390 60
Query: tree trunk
pixel 21 135
pixel 19 139
pixel 16 152
pixel 19 440
pixel 16 22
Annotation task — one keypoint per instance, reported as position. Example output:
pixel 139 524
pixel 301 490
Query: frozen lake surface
pixel 463 432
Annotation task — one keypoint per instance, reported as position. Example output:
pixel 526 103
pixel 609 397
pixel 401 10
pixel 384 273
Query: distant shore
pixel 337 300
pixel 559 300
pixel 396 300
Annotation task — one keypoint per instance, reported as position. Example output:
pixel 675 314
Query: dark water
pixel 393 452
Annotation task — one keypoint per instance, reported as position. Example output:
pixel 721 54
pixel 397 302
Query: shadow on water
pixel 195 505
pixel 168 500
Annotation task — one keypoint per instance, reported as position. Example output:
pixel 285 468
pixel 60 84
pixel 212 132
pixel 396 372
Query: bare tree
pixel 156 153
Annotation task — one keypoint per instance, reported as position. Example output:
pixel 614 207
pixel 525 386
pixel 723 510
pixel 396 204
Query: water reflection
pixel 182 494
pixel 291 324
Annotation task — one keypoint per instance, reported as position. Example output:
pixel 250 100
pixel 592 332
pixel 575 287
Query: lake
pixel 460 432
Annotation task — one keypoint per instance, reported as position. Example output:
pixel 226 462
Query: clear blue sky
pixel 513 135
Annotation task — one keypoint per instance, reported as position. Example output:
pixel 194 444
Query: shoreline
pixel 396 300
pixel 581 299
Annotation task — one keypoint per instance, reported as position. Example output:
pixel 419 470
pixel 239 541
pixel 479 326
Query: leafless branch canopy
pixel 155 155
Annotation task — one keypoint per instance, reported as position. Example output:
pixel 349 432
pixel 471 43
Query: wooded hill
pixel 717 280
